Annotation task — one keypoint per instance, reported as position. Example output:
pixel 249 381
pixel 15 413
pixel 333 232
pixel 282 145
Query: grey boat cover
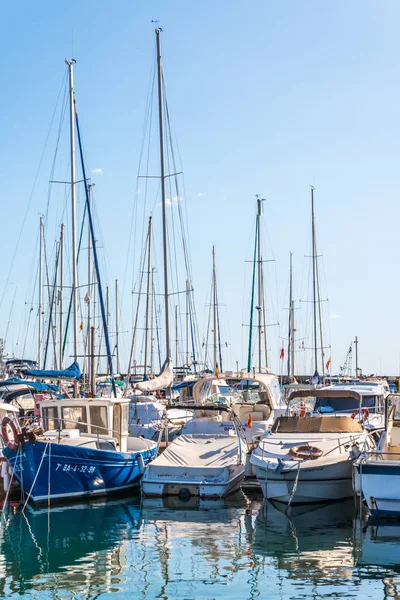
pixel 197 454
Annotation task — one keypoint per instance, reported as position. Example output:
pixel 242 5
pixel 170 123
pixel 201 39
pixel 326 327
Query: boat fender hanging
pixel 11 443
pixel 302 409
pixel 141 464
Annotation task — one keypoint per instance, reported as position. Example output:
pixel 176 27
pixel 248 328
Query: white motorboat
pixel 256 400
pixel 149 416
pixel 206 460
pixel 308 458
pixel 377 472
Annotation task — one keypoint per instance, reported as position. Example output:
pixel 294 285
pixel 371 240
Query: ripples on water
pixel 242 548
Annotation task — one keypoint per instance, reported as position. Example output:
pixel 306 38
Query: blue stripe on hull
pixel 378 469
pixel 75 471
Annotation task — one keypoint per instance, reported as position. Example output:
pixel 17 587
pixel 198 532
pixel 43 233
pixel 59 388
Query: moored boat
pixel 307 458
pixel 81 450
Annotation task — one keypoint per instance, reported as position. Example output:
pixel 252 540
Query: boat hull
pixel 380 485
pixel 230 479
pixel 315 483
pixel 62 472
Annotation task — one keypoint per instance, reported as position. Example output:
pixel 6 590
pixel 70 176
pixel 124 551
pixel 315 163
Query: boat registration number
pixel 66 467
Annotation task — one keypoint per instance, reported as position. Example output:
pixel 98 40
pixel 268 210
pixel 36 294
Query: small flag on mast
pixel 282 354
pixel 216 372
pixel 328 363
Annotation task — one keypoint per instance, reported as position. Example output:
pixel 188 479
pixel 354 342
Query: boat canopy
pixel 73 372
pixel 325 424
pixel 162 381
pixel 36 385
pixel 325 393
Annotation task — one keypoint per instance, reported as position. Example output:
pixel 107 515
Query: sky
pixel 266 98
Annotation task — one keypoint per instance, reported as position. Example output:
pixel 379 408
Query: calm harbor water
pixel 242 548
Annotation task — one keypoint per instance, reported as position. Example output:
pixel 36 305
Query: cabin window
pixel 98 420
pixel 74 417
pixel 50 418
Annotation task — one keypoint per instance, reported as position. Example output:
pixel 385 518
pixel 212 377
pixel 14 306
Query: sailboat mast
pixel 292 341
pixel 89 292
pixel 149 275
pixel 259 277
pixel 163 191
pixel 314 259
pixel 187 321
pixel 40 312
pixel 214 309
pixel 70 64
pixel 117 325
pixel 61 293
pixel 290 319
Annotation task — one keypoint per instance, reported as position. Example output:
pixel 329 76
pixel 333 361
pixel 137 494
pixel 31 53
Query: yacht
pixel 307 456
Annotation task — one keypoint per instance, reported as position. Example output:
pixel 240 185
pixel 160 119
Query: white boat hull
pixel 380 485
pixel 315 483
pixel 206 487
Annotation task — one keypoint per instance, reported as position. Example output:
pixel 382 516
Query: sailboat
pixel 82 448
pixel 205 463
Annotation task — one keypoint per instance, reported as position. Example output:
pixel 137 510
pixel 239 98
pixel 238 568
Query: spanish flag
pixel 328 363
pixel 216 372
pixel 249 421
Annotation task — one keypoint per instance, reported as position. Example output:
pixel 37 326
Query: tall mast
pixel 292 341
pixel 40 312
pixel 187 321
pixel 61 293
pixel 89 292
pixel 70 64
pixel 264 318
pixel 214 309
pixel 176 335
pixel 290 319
pixel 149 275
pixel 163 193
pixel 314 258
pixel 259 278
pixel 117 325
pixel 320 320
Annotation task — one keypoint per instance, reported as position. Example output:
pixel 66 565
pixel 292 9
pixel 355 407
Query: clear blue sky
pixel 266 97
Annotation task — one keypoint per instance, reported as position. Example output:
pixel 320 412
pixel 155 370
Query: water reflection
pixel 79 548
pixel 243 547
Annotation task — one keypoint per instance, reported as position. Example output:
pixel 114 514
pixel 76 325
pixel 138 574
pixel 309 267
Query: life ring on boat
pixel 364 412
pixel 306 452
pixel 302 409
pixel 13 443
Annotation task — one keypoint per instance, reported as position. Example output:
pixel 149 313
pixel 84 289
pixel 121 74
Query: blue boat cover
pixel 38 387
pixel 73 372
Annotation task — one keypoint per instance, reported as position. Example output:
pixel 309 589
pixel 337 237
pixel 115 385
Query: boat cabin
pixel 373 398
pixel 100 417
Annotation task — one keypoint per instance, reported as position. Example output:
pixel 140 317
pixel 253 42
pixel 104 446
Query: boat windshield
pixel 343 405
pixel 224 389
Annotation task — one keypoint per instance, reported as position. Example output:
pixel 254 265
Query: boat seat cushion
pixel 257 415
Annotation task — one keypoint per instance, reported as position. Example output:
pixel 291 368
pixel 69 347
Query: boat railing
pixel 80 425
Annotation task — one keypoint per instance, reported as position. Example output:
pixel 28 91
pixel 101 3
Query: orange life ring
pixel 305 452
pixel 14 443
pixel 302 409
pixel 365 413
